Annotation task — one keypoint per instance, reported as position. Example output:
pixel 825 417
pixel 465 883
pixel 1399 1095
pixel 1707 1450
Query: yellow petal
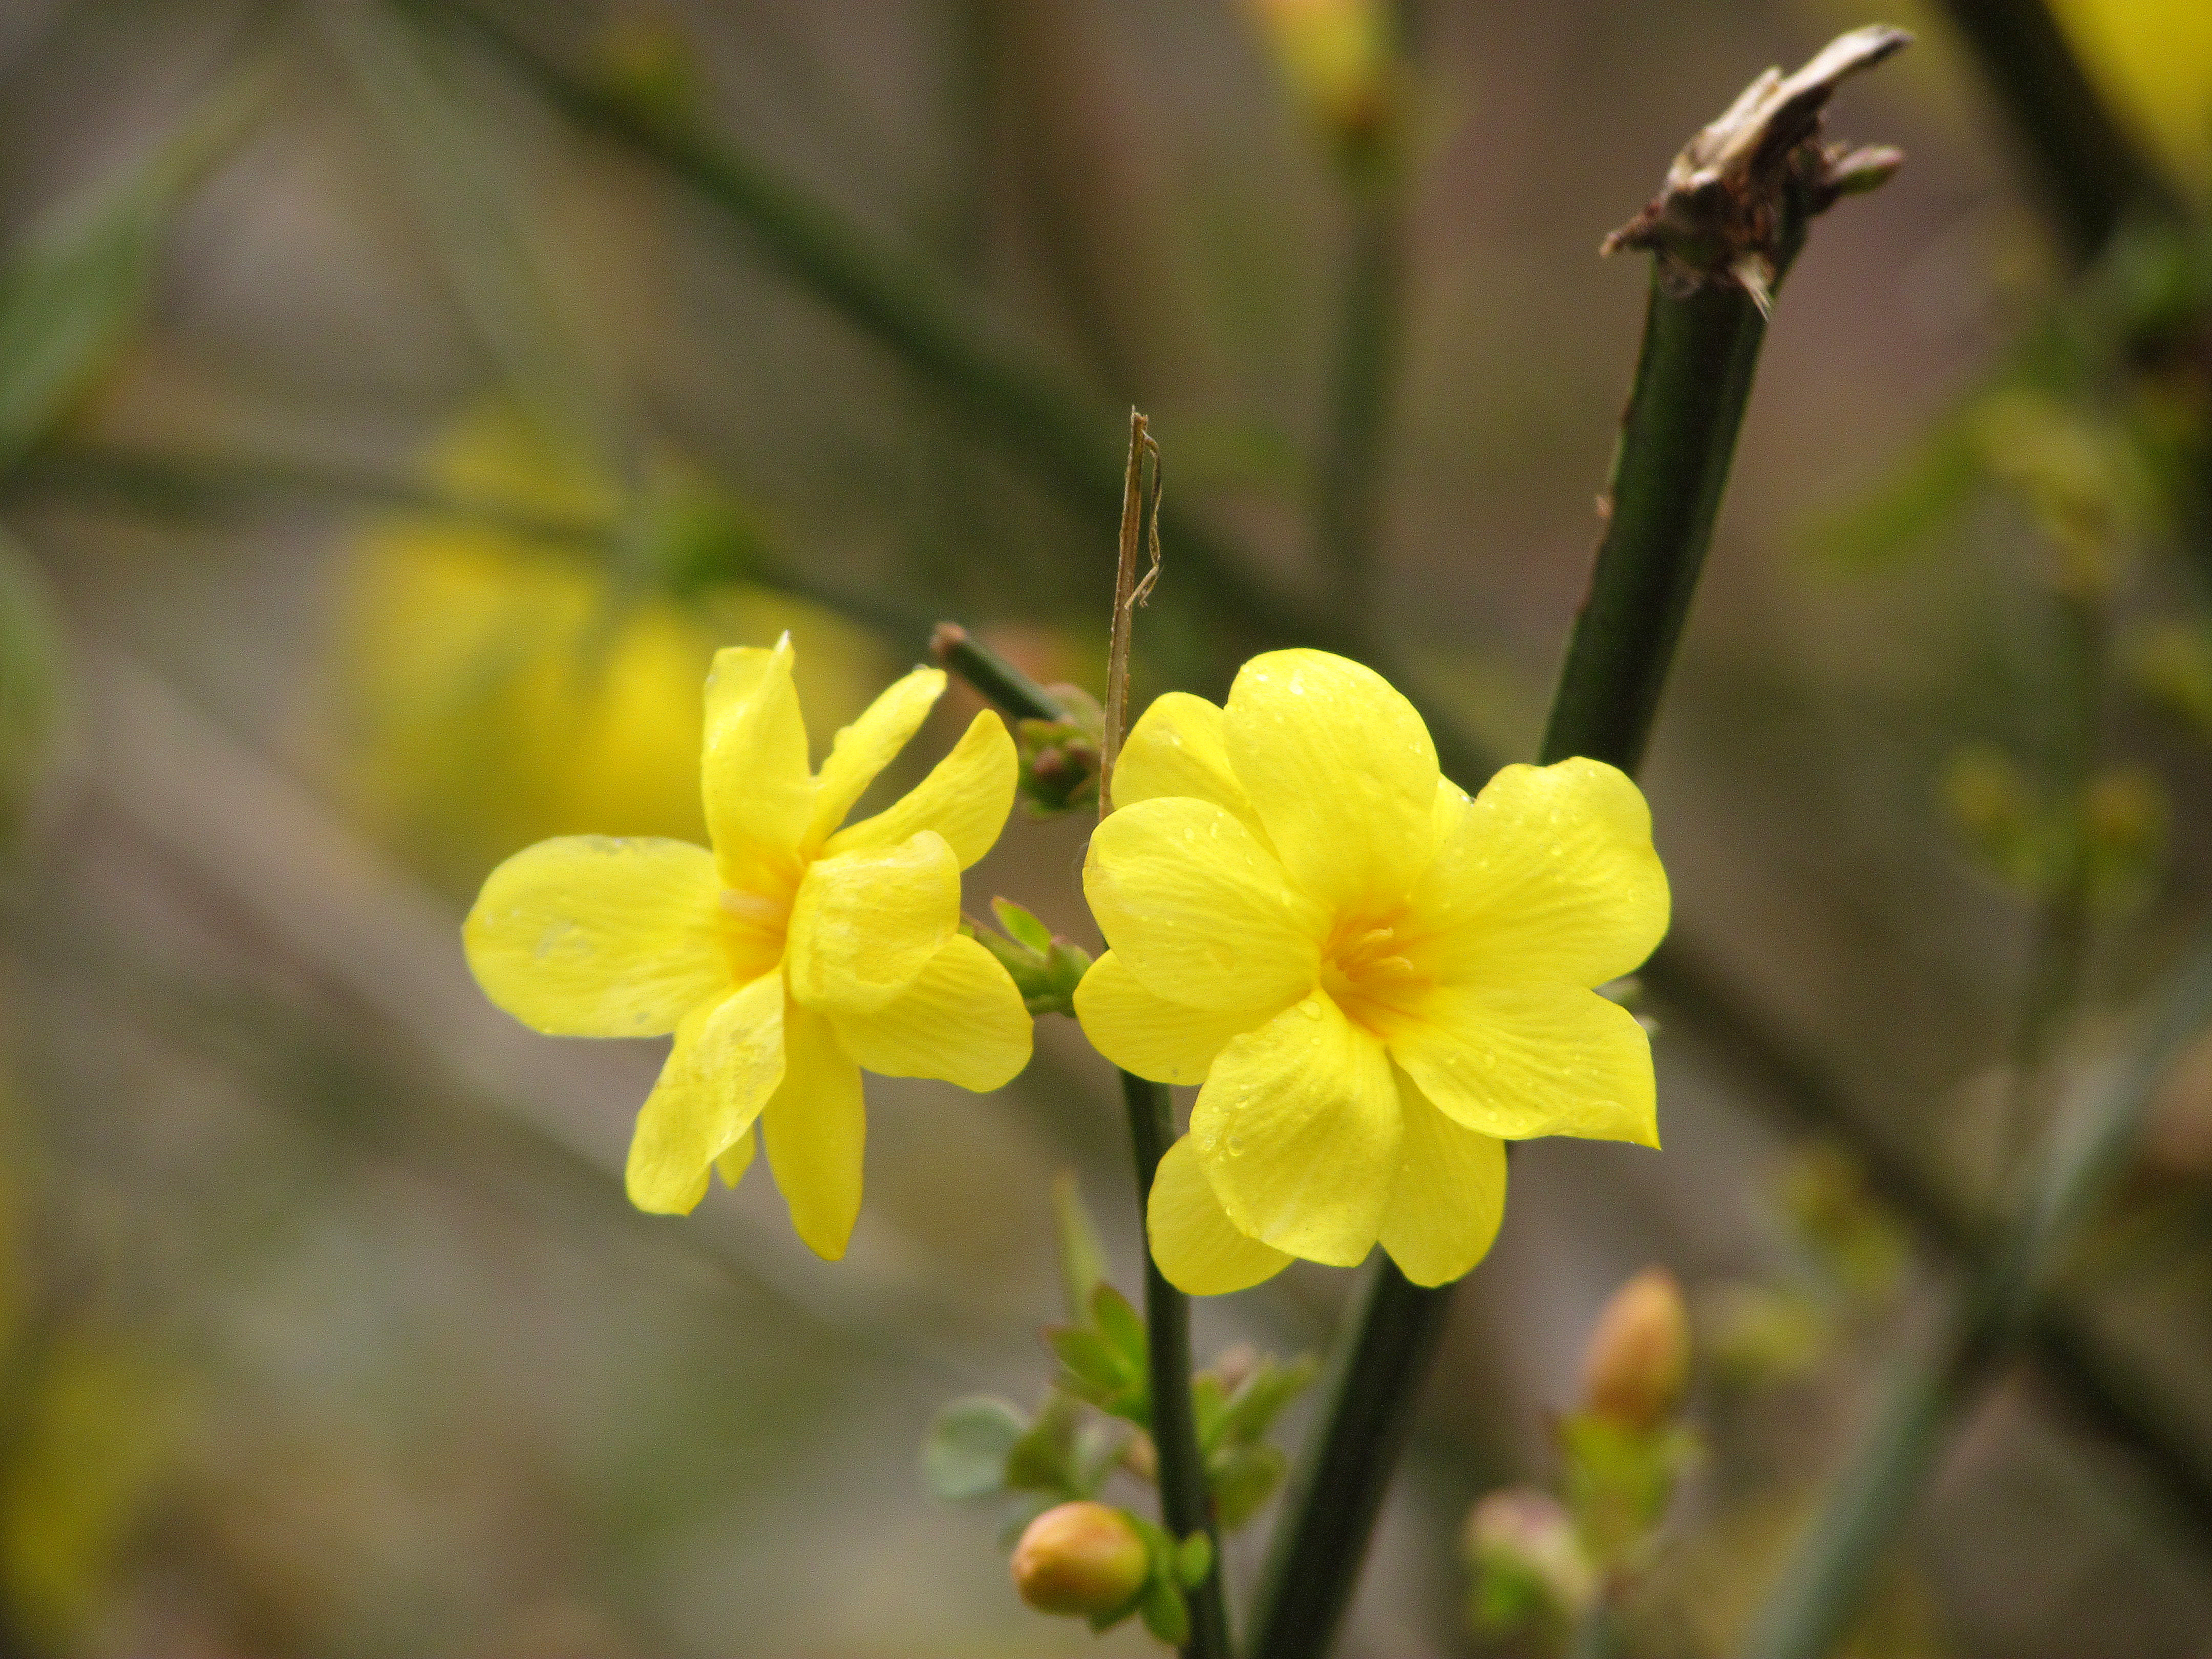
pixel 1298 1127
pixel 865 923
pixel 965 798
pixel 589 936
pixel 1194 1241
pixel 1549 876
pixel 732 1164
pixel 961 1020
pixel 1449 1196
pixel 815 1129
pixel 759 791
pixel 727 1060
pixel 1533 1060
pixel 1167 1042
pixel 1176 749
pixel 1342 771
pixel 863 749
pixel 1197 909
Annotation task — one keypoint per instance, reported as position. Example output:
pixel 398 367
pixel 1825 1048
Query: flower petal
pixel 1197 909
pixel 1339 769
pixel 732 1164
pixel 1449 1196
pixel 1549 876
pixel 962 1020
pixel 865 923
pixel 1533 1060
pixel 815 1128
pixel 1167 1042
pixel 863 749
pixel 965 798
pixel 1176 748
pixel 1194 1241
pixel 727 1060
pixel 589 936
pixel 1298 1127
pixel 759 790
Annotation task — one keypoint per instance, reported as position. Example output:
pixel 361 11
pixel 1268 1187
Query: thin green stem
pixel 2082 162
pixel 1692 382
pixel 998 681
pixel 1812 1606
pixel 1186 1505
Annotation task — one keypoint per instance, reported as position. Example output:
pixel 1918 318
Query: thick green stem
pixel 1186 1506
pixel 1348 508
pixel 1690 385
pixel 2082 162
pixel 1812 1606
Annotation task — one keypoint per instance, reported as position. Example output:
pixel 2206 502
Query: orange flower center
pixel 1365 968
pixel 753 926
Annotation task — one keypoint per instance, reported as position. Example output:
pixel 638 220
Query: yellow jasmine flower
pixel 785 960
pixel 1375 980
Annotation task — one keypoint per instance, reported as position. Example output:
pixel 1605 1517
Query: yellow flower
pixel 787 958
pixel 1373 977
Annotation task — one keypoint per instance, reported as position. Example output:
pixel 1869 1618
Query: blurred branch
pixel 230 482
pixel 1810 1609
pixel 2081 161
pixel 1702 335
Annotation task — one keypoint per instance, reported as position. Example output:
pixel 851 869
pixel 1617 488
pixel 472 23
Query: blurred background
pixel 399 404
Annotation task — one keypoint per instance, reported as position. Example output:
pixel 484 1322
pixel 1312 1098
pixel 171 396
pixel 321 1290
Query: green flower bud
pixel 1530 1567
pixel 1082 1560
pixel 1638 1363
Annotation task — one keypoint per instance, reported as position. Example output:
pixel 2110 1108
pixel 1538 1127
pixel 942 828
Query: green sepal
pixel 1164 1611
pixel 1023 928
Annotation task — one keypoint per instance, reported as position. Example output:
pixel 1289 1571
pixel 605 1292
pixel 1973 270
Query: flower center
pixel 753 926
pixel 1365 968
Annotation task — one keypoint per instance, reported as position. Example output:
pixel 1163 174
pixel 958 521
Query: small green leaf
pixel 1023 928
pixel 1162 1608
pixel 1242 1481
pixel 1119 1323
pixel 1207 1404
pixel 1194 1560
pixel 1273 1383
pixel 1081 1260
pixel 966 1452
pixel 1093 1363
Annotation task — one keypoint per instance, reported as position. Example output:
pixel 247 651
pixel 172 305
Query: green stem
pixel 1813 1604
pixel 1005 686
pixel 1186 1505
pixel 2082 161
pixel 1347 506
pixel 1692 382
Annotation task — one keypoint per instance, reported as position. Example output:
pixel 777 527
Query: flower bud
pixel 1530 1565
pixel 1638 1363
pixel 1083 1559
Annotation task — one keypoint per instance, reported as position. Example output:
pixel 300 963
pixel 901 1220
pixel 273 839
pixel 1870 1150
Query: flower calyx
pixel 1045 968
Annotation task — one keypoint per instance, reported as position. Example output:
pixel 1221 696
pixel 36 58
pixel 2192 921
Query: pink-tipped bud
pixel 1638 1363
pixel 1083 1559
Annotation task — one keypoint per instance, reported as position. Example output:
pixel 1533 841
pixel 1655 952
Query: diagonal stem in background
pixel 1811 1608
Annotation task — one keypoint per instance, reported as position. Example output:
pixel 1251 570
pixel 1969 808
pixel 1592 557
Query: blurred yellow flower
pixel 785 960
pixel 497 689
pixel 2155 59
pixel 1373 977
